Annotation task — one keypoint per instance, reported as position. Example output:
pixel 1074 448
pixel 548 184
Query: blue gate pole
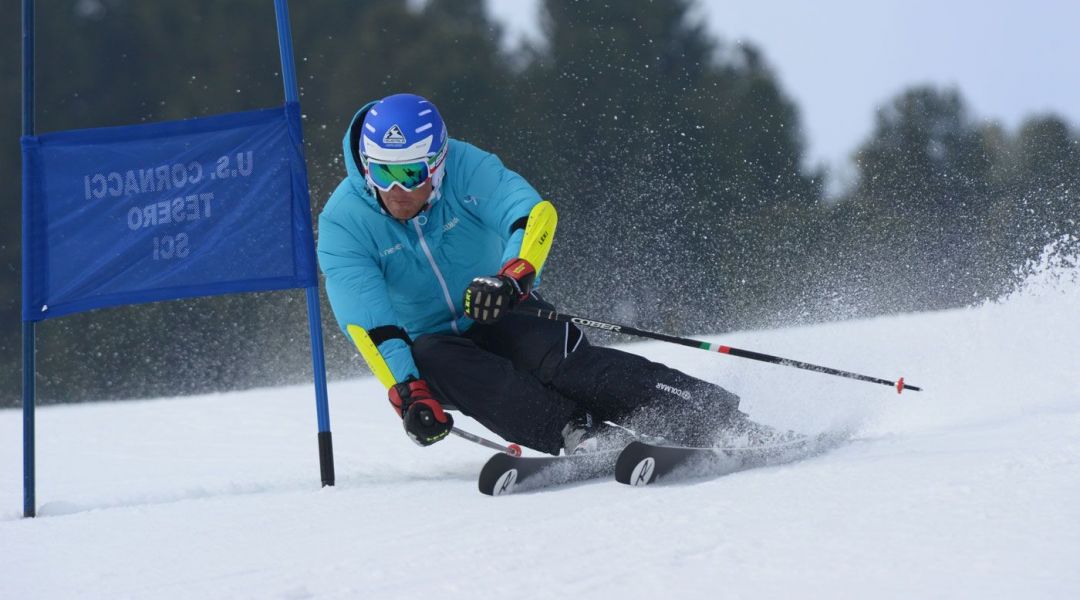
pixel 326 448
pixel 28 343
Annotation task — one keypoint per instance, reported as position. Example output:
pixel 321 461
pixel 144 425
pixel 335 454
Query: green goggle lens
pixel 408 176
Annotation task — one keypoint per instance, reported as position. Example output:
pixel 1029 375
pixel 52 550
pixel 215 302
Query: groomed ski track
pixel 967 490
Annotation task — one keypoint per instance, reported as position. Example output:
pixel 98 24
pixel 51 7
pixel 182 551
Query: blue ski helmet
pixel 403 142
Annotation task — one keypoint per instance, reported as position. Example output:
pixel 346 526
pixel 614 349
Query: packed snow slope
pixel 970 489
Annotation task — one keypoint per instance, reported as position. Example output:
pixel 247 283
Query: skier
pixel 428 245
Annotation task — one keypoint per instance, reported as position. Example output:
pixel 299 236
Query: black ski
pixel 641 463
pixel 505 474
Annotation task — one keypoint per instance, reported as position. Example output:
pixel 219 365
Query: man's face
pixel 405 205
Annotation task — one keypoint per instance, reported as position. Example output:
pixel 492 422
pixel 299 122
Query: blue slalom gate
pixel 142 213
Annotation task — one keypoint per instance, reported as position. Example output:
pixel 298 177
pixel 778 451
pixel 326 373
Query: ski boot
pixel 584 435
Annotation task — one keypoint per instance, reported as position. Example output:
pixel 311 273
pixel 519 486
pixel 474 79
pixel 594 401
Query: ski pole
pixel 776 360
pixel 512 449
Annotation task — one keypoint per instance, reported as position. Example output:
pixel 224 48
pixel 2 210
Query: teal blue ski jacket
pixel 382 273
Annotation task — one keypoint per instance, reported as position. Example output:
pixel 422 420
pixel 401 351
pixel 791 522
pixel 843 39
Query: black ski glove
pixel 424 419
pixel 488 299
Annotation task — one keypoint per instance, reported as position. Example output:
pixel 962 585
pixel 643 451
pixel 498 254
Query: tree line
pixel 675 159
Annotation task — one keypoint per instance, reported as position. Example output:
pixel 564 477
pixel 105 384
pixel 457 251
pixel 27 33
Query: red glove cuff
pixel 521 272
pixel 409 391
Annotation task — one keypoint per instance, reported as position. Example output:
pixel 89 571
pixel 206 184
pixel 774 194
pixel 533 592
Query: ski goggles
pixel 406 175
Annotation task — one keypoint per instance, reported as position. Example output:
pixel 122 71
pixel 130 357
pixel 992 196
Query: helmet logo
pixel 394 137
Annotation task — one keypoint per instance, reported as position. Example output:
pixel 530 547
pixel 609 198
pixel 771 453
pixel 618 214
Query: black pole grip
pixel 427 418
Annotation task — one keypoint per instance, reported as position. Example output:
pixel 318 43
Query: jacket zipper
pixel 438 275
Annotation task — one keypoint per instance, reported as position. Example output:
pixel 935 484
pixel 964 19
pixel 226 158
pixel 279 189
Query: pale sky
pixel 841 59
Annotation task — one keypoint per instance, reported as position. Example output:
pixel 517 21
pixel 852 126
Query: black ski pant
pixel 525 378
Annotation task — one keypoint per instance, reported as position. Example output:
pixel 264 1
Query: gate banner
pixel 125 215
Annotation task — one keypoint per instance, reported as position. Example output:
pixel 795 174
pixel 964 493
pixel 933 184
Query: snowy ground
pixel 970 489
